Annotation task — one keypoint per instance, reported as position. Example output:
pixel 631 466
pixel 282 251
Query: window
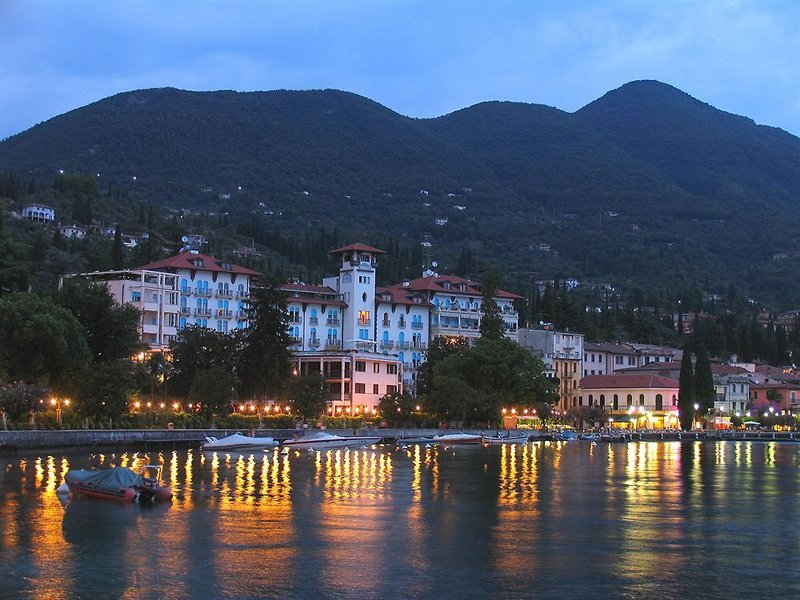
pixel 361 388
pixel 392 369
pixel 641 399
pixel 391 389
pixel 632 360
pixel 591 400
pixel 615 405
pixel 629 400
pixel 363 334
pixel 375 388
pixel 376 367
pixel 136 296
pixel 361 366
pixel 363 317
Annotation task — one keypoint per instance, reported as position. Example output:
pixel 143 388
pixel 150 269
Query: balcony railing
pixel 386 324
pixel 333 345
pixel 186 291
pixel 332 322
pixel 202 292
pixel 401 324
pixel 241 315
pixel 242 294
pixel 295 341
pixel 295 318
pixel 314 342
pixel 224 293
pixel 403 345
pixel 387 344
pixel 202 312
pixel 185 310
pixel 313 321
pixel 227 314
pixel 365 321
pixel 416 325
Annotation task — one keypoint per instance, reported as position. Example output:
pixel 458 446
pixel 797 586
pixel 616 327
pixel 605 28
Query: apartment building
pixel 562 354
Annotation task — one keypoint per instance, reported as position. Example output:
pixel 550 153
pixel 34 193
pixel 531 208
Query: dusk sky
pixel 418 58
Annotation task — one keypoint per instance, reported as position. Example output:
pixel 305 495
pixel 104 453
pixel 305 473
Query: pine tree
pixel 686 389
pixel 704 392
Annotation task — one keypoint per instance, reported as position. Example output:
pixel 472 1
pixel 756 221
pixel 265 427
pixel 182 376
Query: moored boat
pixel 460 438
pixel 324 441
pixel 501 439
pixel 119 483
pixel 237 441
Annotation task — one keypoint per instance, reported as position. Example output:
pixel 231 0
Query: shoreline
pixel 13 441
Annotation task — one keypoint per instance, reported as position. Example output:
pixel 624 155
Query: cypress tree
pixel 704 391
pixel 116 250
pixel 491 326
pixel 686 389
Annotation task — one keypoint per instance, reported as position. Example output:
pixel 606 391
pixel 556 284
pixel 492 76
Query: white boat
pixel 237 441
pixel 509 438
pixel 460 438
pixel 324 441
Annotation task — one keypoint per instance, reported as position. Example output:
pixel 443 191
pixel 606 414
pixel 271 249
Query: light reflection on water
pixel 539 520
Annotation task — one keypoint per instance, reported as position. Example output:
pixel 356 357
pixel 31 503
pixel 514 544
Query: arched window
pixel 385 337
pixel 659 402
pixel 630 400
pixel 641 399
pixel 184 286
pixel 182 323
pixel 401 357
pixel 401 338
pixel 602 400
pixel 674 400
pixel 615 405
pixel 313 333
pixel 591 400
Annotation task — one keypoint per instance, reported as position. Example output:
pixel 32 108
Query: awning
pixel 620 418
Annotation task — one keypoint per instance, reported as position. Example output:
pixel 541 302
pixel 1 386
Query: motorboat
pixel 499 439
pixel 325 441
pixel 590 437
pixel 568 435
pixel 119 483
pixel 460 438
pixel 237 441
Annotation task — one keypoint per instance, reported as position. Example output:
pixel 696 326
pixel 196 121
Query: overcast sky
pixel 421 59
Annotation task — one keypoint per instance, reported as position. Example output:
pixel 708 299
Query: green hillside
pixel 645 186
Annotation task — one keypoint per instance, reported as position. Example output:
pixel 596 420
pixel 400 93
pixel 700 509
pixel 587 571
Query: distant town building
pixel 39 213
pixel 72 231
pixel 562 354
pixel 633 401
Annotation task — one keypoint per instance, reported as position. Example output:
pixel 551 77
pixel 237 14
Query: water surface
pixel 545 520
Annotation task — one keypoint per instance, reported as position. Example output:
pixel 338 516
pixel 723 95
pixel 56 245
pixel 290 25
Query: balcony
pixel 365 322
pixel 295 319
pixel 295 341
pixel 242 294
pixel 224 293
pixel 416 325
pixel 386 324
pixel 401 324
pixel 314 342
pixel 185 310
pixel 241 315
pixel 225 314
pixel 202 312
pixel 333 345
pixel 313 321
pixel 186 291
pixel 403 345
pixel 387 344
pixel 332 322
pixel 419 346
pixel 205 293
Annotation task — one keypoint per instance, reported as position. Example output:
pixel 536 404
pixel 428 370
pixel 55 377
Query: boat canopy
pixel 108 479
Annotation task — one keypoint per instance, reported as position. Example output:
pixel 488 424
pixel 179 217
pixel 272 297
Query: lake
pixel 543 520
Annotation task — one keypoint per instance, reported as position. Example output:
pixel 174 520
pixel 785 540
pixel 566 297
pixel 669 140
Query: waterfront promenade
pixel 81 438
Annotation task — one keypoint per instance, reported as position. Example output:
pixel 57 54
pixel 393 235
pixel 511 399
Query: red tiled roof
pixel 728 370
pixel 400 295
pixel 631 381
pixel 183 261
pixel 435 283
pixel 612 347
pixel 357 247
